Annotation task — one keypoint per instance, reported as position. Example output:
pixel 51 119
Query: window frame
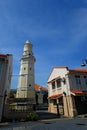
pixel 53 85
pixel 58 83
pixel 85 79
pixel 78 79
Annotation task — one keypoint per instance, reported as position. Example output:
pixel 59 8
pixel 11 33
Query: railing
pixel 15 100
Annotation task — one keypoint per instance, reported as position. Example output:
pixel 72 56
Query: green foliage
pixel 32 116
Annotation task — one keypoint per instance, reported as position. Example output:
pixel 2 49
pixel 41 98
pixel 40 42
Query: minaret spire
pixel 26 76
pixel 28 41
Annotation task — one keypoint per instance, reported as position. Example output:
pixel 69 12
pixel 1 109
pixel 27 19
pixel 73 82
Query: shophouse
pixel 67 91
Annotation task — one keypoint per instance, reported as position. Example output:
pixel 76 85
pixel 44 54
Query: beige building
pixel 5 79
pixel 67 91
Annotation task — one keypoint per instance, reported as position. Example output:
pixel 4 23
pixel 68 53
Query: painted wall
pixel 5 80
pixel 74 85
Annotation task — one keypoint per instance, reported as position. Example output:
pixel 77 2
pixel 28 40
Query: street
pixel 49 124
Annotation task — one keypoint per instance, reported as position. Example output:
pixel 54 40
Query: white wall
pixel 57 72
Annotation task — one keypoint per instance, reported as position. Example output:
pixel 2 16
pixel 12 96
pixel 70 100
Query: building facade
pixel 41 94
pixel 5 79
pixel 67 91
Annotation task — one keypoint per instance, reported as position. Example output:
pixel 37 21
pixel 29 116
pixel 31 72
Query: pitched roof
pixel 57 67
pixel 61 67
pixel 38 87
pixel 78 70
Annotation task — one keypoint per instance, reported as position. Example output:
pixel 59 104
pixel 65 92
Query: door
pixel 81 104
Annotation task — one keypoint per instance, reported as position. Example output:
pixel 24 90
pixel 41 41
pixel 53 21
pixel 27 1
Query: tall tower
pixel 26 76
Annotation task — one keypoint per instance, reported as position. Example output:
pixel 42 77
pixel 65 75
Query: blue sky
pixel 56 28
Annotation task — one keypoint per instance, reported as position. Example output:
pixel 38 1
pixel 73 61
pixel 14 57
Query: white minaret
pixel 26 76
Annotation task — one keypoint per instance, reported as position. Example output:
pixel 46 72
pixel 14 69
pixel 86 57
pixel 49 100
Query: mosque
pixel 28 94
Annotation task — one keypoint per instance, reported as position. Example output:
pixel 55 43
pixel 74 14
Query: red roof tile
pixel 79 92
pixel 78 70
pixel 3 55
pixel 55 96
pixel 38 87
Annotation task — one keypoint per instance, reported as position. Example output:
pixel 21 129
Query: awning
pixel 78 92
pixel 55 96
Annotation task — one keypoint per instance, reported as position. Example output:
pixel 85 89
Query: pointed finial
pixel 28 41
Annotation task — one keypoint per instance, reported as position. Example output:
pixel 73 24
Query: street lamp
pixel 84 62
